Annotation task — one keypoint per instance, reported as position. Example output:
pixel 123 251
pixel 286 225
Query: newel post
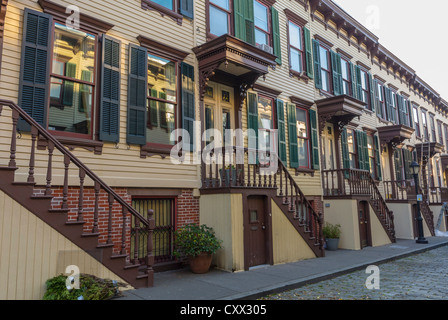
pixel 321 234
pixel 149 256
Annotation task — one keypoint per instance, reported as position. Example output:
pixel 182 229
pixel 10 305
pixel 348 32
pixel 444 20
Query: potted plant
pixel 198 243
pixel 332 234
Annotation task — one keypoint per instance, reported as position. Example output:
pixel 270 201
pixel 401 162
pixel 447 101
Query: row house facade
pixel 123 121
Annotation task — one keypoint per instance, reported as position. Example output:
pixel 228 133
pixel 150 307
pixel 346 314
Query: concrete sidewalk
pixel 263 280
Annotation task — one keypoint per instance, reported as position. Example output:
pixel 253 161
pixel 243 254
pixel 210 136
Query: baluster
pixel 65 188
pixel 12 157
pixel 32 156
pixel 109 228
pixel 210 174
pixel 248 168
pixel 49 167
pixel 95 212
pixel 224 173
pixel 281 181
pixel 136 242
pixel 149 255
pixel 286 187
pixel 297 202
pixel 123 230
pixel 216 181
pixel 82 175
pixel 230 168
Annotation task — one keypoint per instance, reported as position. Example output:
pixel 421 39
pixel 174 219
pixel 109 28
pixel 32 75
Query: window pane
pixel 162 84
pixel 73 53
pixel 350 141
pixel 364 80
pixel 345 66
pixel 265 113
pixel 302 130
pixel 222 3
pixel 261 16
pixel 325 81
pixel 70 106
pixel 303 152
pixel 166 3
pixel 323 58
pixel 295 38
pixel 296 60
pixel 261 37
pixel 219 23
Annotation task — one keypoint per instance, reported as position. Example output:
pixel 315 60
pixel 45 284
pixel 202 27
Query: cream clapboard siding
pixel 31 252
pixel 117 165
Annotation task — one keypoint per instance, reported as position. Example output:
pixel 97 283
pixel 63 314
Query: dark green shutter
pixel 187 8
pixel 317 67
pixel 252 123
pixel 360 149
pixel 401 110
pixel 345 153
pixel 353 79
pixel 244 20
pixel 372 101
pixel 276 35
pixel 34 80
pixel 281 131
pixel 389 106
pixel 359 91
pixel 336 73
pixel 188 102
pixel 137 95
pixel 292 134
pixel 378 158
pixel 69 86
pixel 308 53
pixel 314 139
pixel 110 90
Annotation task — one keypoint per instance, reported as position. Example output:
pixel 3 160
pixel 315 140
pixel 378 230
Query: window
pixel 162 99
pixel 372 156
pixel 72 82
pixel 174 9
pixel 296 47
pixel 346 77
pixel 325 68
pixel 439 129
pixel 365 86
pixel 425 126
pixel 265 122
pixel 433 128
pixel 445 129
pixel 417 122
pixel 351 148
pixel 166 3
pixel 381 111
pixel 394 110
pixel 406 115
pixel 303 137
pixel 262 25
pixel 220 14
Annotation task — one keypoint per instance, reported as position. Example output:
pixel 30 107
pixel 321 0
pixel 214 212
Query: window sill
pixel 299 75
pixel 305 171
pixel 150 5
pixel 71 142
pixel 150 150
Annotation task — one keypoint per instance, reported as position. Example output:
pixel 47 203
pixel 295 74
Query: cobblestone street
pixel 419 277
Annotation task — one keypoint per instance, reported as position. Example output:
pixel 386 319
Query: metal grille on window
pixel 163 232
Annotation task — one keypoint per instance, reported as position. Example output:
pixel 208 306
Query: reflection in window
pixel 162 92
pixel 302 137
pixel 265 122
pixel 71 81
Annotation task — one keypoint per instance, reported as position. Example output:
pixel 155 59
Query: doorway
pixel 364 224
pixel 257 232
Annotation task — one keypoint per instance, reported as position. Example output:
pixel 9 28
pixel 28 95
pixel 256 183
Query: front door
pixel 364 223
pixel 257 231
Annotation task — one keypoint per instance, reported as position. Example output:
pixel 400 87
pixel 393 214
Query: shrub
pixel 90 288
pixel 332 231
pixel 192 240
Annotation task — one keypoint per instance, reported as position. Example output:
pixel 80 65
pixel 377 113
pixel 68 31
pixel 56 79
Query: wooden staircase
pixel 113 253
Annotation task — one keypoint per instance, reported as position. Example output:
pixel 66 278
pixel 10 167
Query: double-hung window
pixel 352 149
pixel 439 129
pixel 346 77
pixel 425 126
pixel 393 116
pixel 433 127
pixel 325 66
pixel 381 108
pixel 296 47
pixel 303 137
pixel 262 24
pixel 175 9
pixel 418 132
pixel 220 17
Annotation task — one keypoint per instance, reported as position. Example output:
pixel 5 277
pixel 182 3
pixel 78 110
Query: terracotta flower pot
pixel 201 263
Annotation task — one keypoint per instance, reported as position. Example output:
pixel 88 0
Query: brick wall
pixel 187 208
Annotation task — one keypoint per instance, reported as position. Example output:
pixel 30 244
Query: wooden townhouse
pixel 123 121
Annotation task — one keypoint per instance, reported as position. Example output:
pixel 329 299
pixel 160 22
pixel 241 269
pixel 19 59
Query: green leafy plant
pixel 90 288
pixel 331 231
pixel 192 240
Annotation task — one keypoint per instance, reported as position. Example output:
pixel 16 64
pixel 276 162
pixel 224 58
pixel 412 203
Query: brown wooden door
pixel 364 223
pixel 257 231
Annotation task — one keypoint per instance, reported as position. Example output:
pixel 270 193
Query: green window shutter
pixel 110 90
pixel 345 153
pixel 292 134
pixel 188 102
pixel 317 67
pixel 137 95
pixel 244 20
pixel 353 80
pixel 308 53
pixel 378 158
pixel 276 35
pixel 69 86
pixel 252 123
pixel 314 139
pixel 336 73
pixel 34 82
pixel 372 101
pixel 389 108
pixel 281 131
pixel 401 110
pixel 152 115
pixel 358 82
pixel 187 8
pixel 398 164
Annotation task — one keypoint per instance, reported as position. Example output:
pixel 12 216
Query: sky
pixel 413 30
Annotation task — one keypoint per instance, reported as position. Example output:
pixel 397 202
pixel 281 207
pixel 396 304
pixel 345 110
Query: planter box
pixel 332 244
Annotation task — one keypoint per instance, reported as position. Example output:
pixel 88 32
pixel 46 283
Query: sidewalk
pixel 263 280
